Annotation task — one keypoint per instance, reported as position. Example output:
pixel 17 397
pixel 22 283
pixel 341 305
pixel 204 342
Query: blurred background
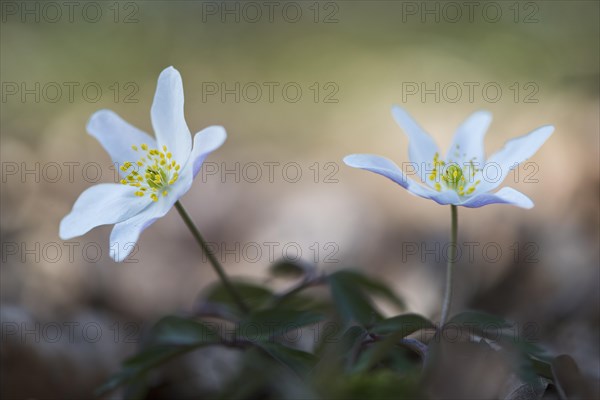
pixel 298 85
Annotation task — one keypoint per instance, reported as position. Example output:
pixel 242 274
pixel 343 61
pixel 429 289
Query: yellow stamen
pixel 159 171
pixel 453 176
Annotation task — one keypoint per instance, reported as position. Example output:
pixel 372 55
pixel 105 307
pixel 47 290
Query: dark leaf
pixel 350 300
pixel 541 367
pixel 381 385
pixel 338 351
pixel 351 339
pixel 292 269
pixel 528 359
pixel 265 324
pixel 372 286
pixel 183 332
pixel 299 301
pixel 403 324
pixel 298 361
pixel 382 350
pixel 169 338
pixel 253 295
pixel 135 367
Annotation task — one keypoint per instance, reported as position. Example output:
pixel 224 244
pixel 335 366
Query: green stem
pixel 211 257
pixel 450 266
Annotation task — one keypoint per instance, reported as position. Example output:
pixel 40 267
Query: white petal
pixel 125 234
pixel 468 139
pixel 383 166
pixel 205 142
pixel 167 115
pixel 445 197
pixel 506 195
pixel 179 188
pixel 514 152
pixel 117 136
pixel 421 147
pixel 102 204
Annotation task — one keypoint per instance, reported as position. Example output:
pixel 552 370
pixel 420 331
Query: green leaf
pixel 529 360
pixel 404 324
pixel 561 370
pixel 380 384
pixel 342 351
pixel 301 301
pixel 179 331
pixel 252 378
pixel 541 367
pixel 524 367
pixel 134 368
pixel 351 338
pixel 394 358
pixel 262 376
pixel 120 378
pixel 299 361
pixel 293 269
pixel 170 337
pixel 252 294
pixel 265 324
pixel 372 286
pixel 153 356
pixel 350 300
pixel 525 345
pixel 499 330
pixel 382 350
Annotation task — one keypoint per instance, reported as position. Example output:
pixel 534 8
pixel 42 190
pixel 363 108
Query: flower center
pixel 153 173
pixel 453 176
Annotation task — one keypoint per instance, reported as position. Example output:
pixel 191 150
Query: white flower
pixel 155 172
pixel 463 177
